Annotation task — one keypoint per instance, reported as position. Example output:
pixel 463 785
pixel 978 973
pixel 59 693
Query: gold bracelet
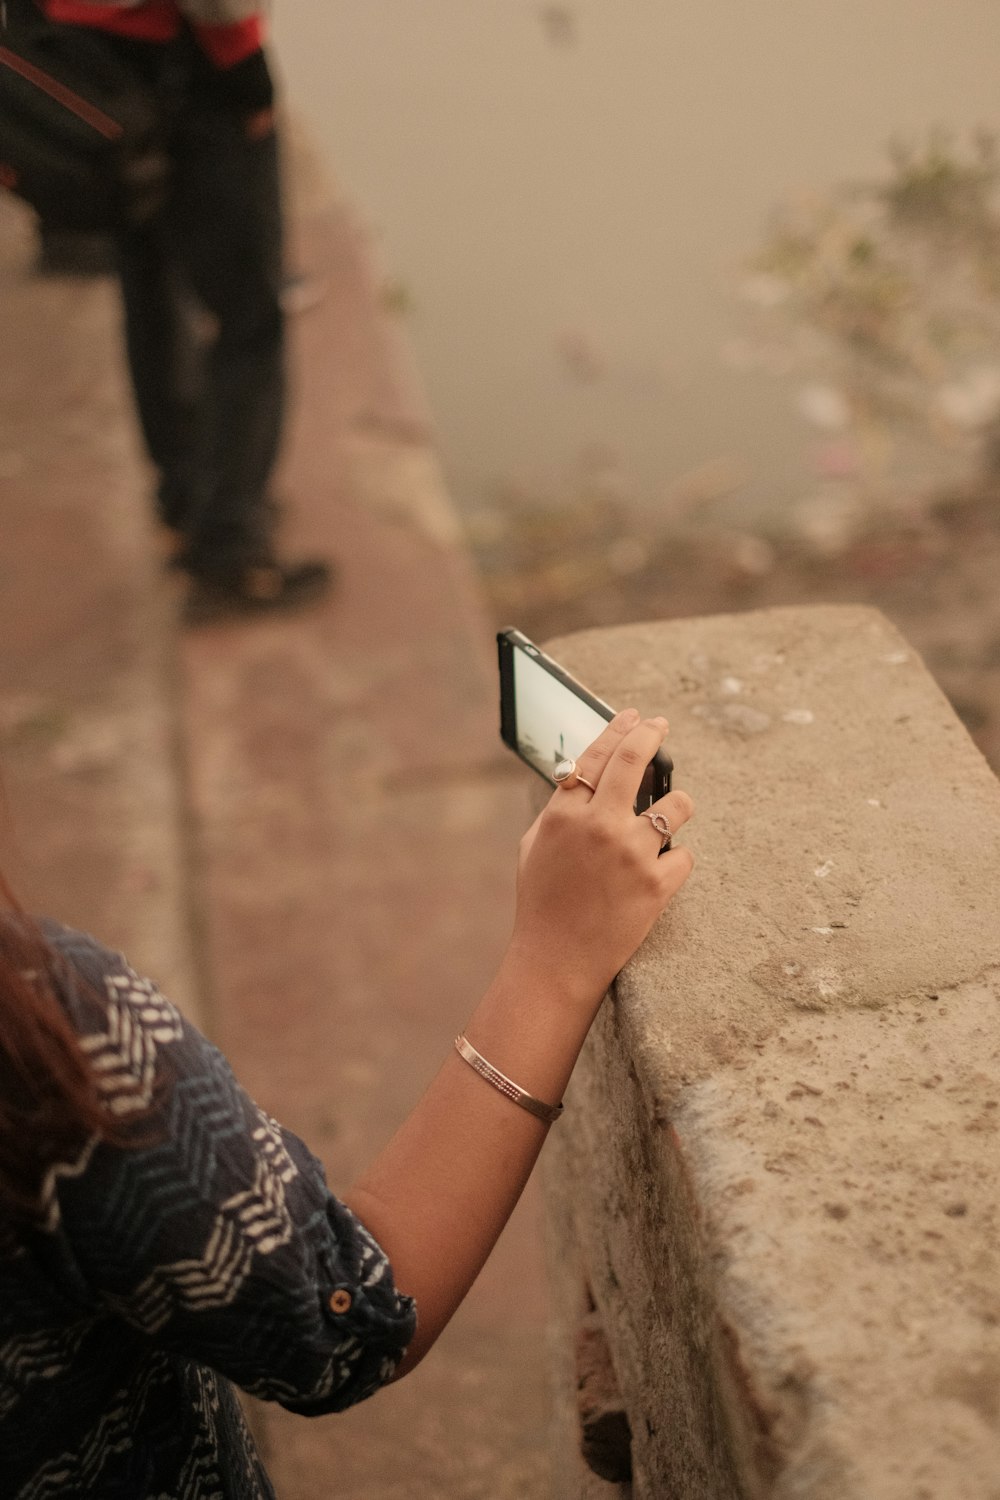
pixel 506 1086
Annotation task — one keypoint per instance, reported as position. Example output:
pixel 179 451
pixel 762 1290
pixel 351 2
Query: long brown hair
pixel 49 1102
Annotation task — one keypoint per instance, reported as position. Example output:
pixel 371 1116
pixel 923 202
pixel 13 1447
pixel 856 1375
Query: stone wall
pixel 775 1188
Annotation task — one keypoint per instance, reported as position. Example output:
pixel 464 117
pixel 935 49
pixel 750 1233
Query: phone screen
pixel 547 716
pixel 553 723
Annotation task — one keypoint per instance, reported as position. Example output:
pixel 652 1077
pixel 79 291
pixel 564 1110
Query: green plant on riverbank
pixel 886 297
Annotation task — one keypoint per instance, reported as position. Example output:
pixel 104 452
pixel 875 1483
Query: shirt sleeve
pixel 211 1231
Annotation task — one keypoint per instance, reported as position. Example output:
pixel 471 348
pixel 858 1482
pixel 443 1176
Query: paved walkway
pixel 304 828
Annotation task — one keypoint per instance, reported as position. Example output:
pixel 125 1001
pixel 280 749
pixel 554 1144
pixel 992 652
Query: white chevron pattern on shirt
pixel 40 1356
pixel 124 1056
pixel 253 1221
pixel 74 1473
pixel 124 1062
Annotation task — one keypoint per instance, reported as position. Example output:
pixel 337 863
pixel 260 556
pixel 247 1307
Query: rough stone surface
pixel 782 1158
pixel 605 1439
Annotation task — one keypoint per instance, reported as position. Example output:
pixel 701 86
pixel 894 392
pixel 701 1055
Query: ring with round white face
pixel 662 826
pixel 565 774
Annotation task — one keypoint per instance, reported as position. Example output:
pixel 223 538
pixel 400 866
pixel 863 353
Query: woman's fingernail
pixel 662 722
pixel 628 717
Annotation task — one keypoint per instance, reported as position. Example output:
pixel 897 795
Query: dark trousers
pixel 204 330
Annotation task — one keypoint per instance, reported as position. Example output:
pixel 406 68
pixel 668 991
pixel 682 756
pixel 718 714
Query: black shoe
pixel 256 590
pixel 179 555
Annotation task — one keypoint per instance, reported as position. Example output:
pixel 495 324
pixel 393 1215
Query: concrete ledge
pixel 777 1178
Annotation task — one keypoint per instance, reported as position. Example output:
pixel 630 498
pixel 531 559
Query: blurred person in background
pixel 211 406
pixel 161 1236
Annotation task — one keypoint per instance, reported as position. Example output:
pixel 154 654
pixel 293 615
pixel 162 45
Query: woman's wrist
pixel 530 1026
pixel 563 983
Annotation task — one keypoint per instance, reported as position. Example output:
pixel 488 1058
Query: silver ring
pixel 566 774
pixel 662 826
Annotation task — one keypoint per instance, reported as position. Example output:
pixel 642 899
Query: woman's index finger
pixel 592 761
pixel 626 766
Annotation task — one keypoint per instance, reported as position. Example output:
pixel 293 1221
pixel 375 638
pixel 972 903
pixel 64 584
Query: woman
pixel 162 1237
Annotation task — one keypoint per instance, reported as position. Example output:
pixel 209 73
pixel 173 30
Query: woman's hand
pixel 591 880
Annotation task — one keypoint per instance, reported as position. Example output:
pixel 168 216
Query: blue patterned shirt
pixel 205 1250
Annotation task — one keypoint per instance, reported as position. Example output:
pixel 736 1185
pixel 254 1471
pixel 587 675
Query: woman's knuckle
pixel 604 832
pixel 685 802
pixel 553 810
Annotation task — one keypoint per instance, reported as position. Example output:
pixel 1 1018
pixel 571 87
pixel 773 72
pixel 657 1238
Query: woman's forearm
pixel 439 1194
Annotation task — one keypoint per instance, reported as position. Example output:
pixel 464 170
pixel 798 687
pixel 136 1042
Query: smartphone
pixel 547 716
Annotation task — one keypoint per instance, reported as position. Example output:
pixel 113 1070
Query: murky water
pixel 566 195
